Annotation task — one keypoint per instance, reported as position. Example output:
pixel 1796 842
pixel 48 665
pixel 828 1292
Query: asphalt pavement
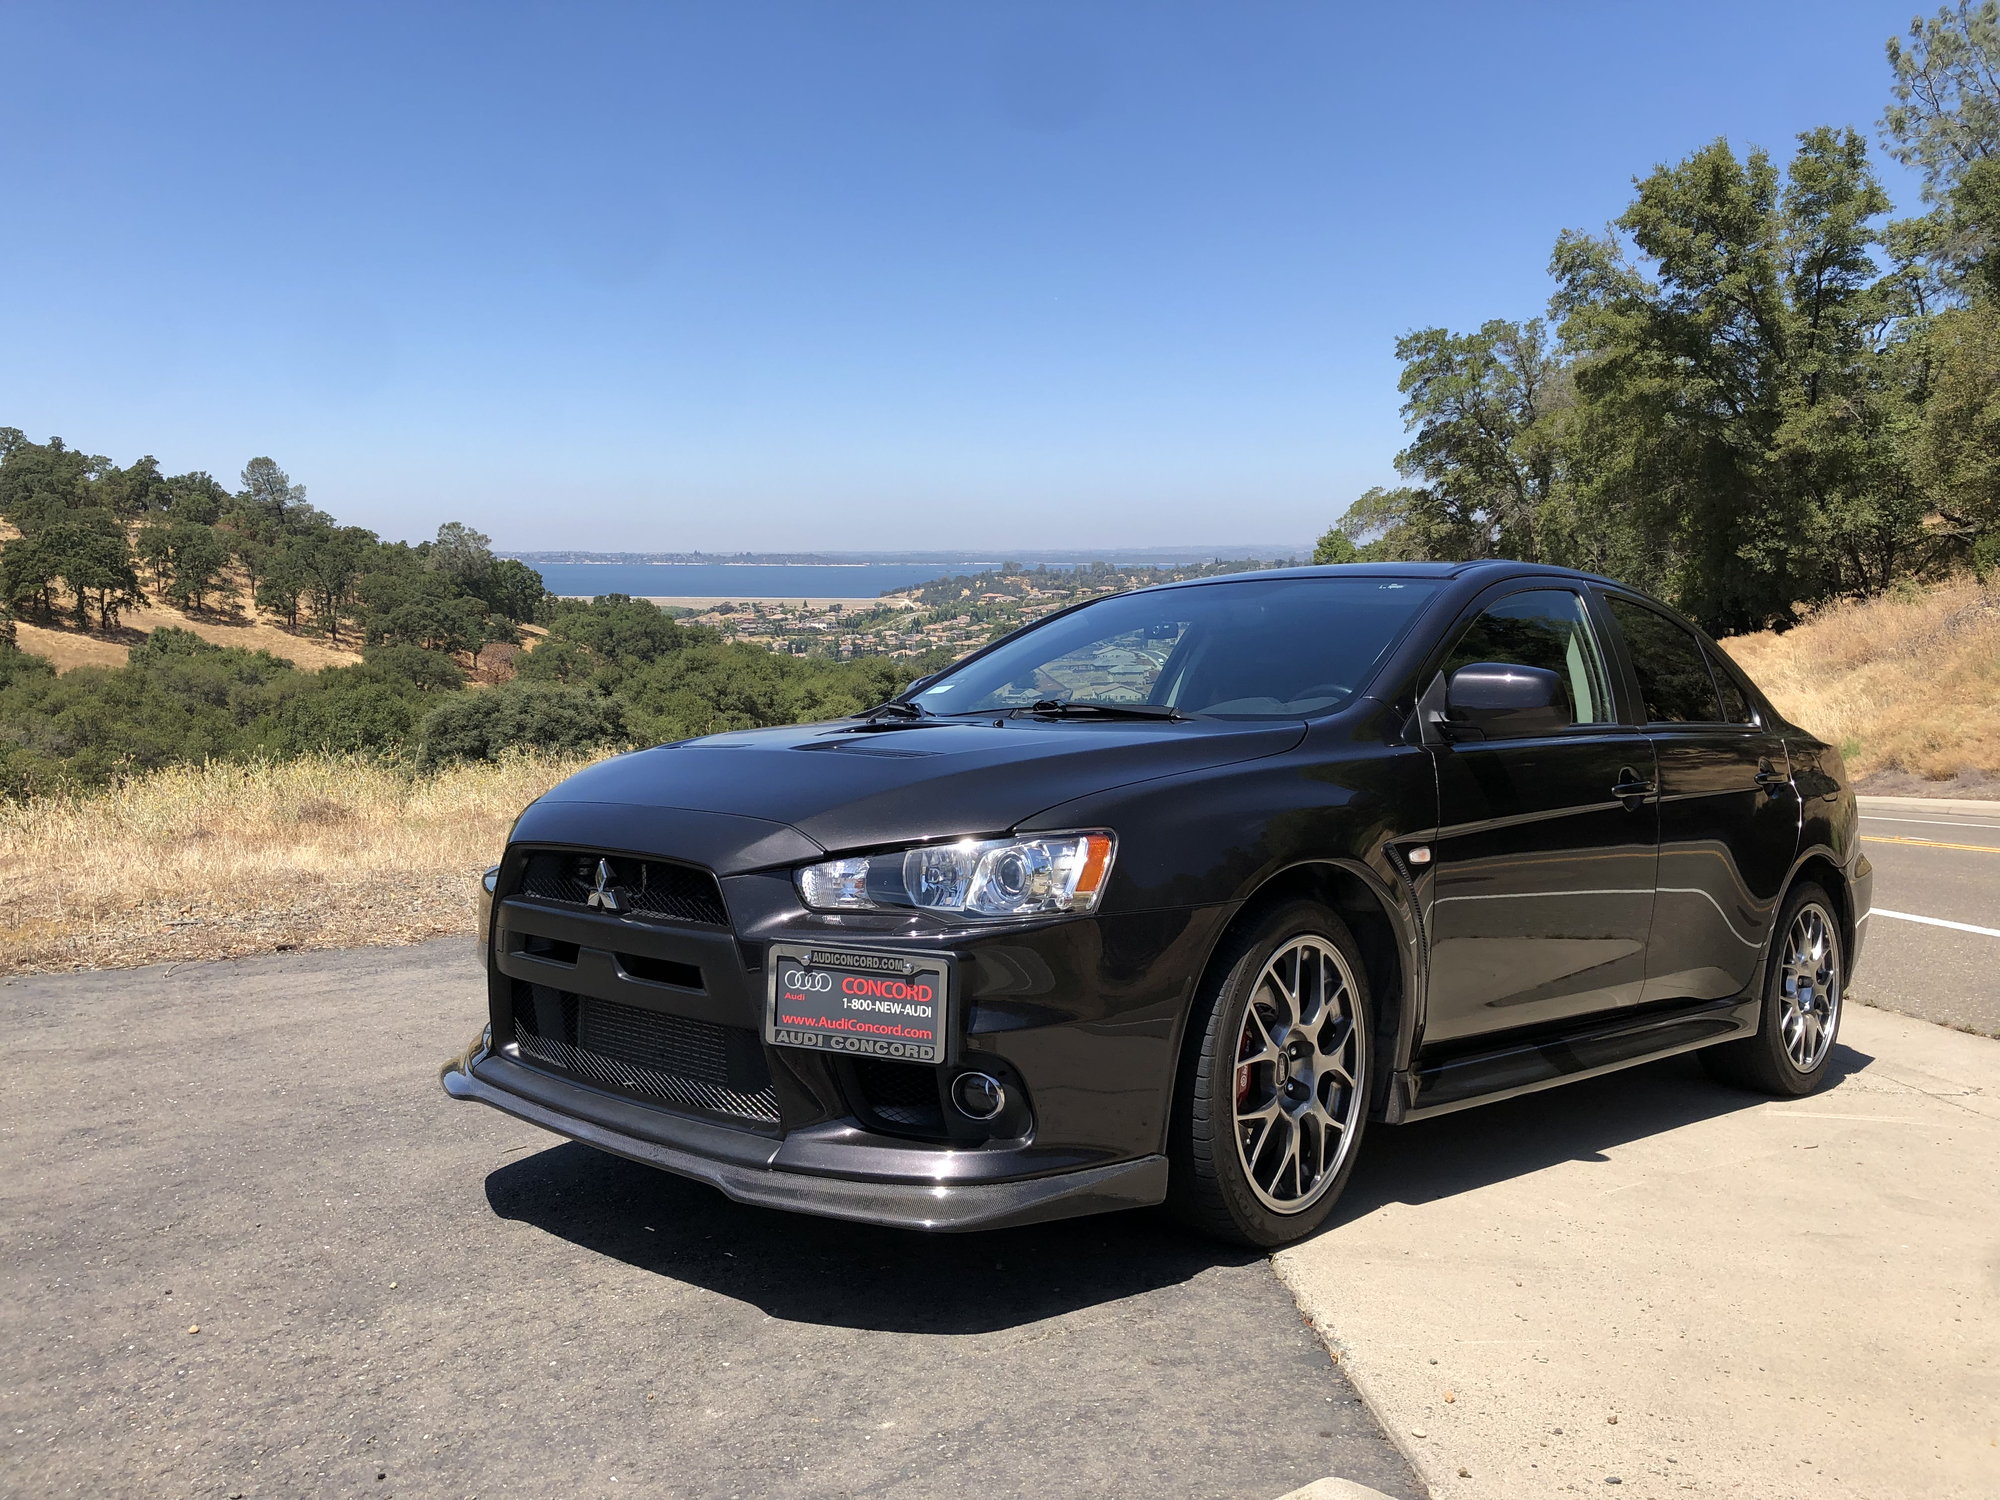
pixel 1933 944
pixel 249 1248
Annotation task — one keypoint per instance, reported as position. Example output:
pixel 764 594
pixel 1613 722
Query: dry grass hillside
pixel 248 628
pixel 217 861
pixel 245 625
pixel 1908 685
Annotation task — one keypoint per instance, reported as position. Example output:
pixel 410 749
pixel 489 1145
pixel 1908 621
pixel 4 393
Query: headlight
pixel 1045 872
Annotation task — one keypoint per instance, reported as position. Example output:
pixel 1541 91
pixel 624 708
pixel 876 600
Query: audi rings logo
pixel 803 982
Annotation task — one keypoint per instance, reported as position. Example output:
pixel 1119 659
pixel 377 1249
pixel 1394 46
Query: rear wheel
pixel 1274 1095
pixel 1804 986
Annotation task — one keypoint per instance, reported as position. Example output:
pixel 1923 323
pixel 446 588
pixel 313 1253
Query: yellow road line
pixel 1890 838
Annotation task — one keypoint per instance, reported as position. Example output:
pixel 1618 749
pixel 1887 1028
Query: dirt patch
pixel 1975 785
pixel 494 663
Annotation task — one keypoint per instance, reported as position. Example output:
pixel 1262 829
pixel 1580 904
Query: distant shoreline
pixel 605 562
pixel 704 602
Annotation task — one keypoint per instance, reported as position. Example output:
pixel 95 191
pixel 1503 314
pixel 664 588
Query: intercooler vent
pixel 650 887
pixel 659 970
pixel 676 1059
pixel 899 1096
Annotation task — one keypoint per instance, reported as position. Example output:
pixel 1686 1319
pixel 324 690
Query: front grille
pixel 682 1061
pixel 901 1095
pixel 654 887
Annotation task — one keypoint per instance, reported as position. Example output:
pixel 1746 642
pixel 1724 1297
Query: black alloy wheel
pixel 1804 987
pixel 1275 1088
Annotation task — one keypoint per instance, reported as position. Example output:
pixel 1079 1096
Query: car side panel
pixel 1727 842
pixel 1830 826
pixel 1544 882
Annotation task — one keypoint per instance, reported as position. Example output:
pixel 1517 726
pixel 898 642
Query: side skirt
pixel 1440 1086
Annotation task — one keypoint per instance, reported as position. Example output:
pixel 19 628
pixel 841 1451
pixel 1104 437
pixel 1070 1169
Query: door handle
pixel 1630 785
pixel 1767 775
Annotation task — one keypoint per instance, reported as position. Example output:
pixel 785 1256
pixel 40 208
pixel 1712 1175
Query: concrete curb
pixel 1930 804
pixel 1333 1489
pixel 1363 1381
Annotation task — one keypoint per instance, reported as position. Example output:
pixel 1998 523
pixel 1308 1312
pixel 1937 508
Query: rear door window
pixel 1735 704
pixel 1674 680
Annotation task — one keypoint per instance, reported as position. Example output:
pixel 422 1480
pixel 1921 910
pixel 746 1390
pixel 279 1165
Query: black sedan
pixel 1167 897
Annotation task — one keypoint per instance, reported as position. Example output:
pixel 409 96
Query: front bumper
pixel 745 1166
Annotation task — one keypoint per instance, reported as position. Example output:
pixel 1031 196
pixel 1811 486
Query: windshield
pixel 1259 648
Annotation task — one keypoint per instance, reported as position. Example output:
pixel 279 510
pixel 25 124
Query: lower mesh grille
pixel 689 1063
pixel 904 1094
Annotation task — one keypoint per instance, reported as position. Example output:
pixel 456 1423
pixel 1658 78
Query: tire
pixel 1805 979
pixel 1270 1111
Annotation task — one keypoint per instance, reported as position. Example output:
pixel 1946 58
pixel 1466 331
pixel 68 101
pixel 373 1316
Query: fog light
pixel 978 1096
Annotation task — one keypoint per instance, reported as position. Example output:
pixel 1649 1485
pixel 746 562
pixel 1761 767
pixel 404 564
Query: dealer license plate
pixel 865 1004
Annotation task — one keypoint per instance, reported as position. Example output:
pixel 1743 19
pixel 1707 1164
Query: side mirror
pixel 1494 700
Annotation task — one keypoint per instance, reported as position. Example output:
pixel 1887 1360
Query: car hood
pixel 848 787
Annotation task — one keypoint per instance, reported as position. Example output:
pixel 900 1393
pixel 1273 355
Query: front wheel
pixel 1274 1094
pixel 1804 985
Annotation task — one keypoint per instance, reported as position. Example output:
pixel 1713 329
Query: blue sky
pixel 831 274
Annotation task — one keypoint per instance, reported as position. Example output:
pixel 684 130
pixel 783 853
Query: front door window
pixel 1545 628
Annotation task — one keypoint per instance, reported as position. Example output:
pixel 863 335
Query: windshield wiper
pixel 1058 708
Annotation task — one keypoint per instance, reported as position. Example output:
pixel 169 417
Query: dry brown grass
pixel 250 629
pixel 67 650
pixel 1908 682
pixel 218 861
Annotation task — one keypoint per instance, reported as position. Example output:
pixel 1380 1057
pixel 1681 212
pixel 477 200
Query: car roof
pixel 1486 570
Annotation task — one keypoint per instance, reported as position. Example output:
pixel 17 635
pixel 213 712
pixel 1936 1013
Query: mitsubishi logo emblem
pixel 604 895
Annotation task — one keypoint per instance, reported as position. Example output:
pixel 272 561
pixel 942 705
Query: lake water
pixel 741 581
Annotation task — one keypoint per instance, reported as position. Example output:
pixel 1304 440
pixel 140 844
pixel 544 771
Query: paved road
pixel 401 1296
pixel 1942 862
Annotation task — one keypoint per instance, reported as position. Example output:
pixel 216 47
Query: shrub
pixel 346 712
pixel 427 671
pixel 519 716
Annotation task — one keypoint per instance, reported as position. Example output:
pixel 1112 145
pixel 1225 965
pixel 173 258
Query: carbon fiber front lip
pixel 735 1163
